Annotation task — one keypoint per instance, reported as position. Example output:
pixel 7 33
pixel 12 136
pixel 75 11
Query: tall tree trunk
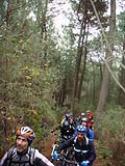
pixel 5 79
pixel 78 60
pixel 62 92
pixel 42 21
pixel 122 79
pixel 9 12
pixel 78 64
pixel 82 71
pixel 44 29
pixel 94 85
pixel 106 75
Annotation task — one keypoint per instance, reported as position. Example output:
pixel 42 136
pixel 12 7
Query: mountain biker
pixel 90 119
pixel 22 153
pixel 90 132
pixel 67 126
pixel 79 118
pixel 84 151
pixel 90 114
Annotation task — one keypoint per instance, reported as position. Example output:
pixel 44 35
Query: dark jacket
pixel 67 130
pixel 83 150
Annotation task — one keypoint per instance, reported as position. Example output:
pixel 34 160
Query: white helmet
pixel 26 132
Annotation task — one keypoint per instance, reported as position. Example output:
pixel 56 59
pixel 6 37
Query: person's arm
pixel 91 135
pixel 41 160
pixel 65 144
pixel 3 161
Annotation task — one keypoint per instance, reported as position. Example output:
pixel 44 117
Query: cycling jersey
pixel 66 129
pixel 83 150
pixel 31 158
pixel 89 133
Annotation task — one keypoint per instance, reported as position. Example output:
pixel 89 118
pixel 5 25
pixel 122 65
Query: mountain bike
pixel 66 157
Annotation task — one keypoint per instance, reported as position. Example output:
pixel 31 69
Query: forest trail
pixel 47 143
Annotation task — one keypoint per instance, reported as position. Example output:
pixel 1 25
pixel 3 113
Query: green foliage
pixel 113 121
pixel 33 68
pixel 104 151
pixel 3 9
pixel 121 20
pixel 111 135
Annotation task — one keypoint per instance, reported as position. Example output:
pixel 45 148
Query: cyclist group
pixel 75 132
pixel 78 133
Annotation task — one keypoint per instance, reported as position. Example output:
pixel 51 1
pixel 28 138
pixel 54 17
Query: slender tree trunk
pixel 42 21
pixel 94 85
pixel 62 93
pixel 78 64
pixel 101 107
pixel 121 98
pixel 82 72
pixel 9 12
pixel 5 78
pixel 78 60
pixel 44 29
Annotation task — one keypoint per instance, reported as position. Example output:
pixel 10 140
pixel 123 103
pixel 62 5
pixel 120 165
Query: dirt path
pixel 46 145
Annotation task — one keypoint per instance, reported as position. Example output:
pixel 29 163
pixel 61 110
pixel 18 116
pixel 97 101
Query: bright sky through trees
pixel 62 10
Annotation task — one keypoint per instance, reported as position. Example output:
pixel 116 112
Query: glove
pixel 55 155
pixel 84 163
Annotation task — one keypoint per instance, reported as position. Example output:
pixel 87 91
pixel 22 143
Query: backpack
pixel 31 153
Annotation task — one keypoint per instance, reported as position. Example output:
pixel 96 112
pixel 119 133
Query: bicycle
pixel 66 158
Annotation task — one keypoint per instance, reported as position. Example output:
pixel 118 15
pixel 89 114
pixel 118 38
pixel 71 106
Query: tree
pixel 101 107
pixel 121 96
pixel 87 19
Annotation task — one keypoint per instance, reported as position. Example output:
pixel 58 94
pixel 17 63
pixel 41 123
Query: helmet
pixel 26 132
pixel 81 129
pixel 84 119
pixel 90 114
pixel 66 123
pixel 68 115
pixel 83 114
